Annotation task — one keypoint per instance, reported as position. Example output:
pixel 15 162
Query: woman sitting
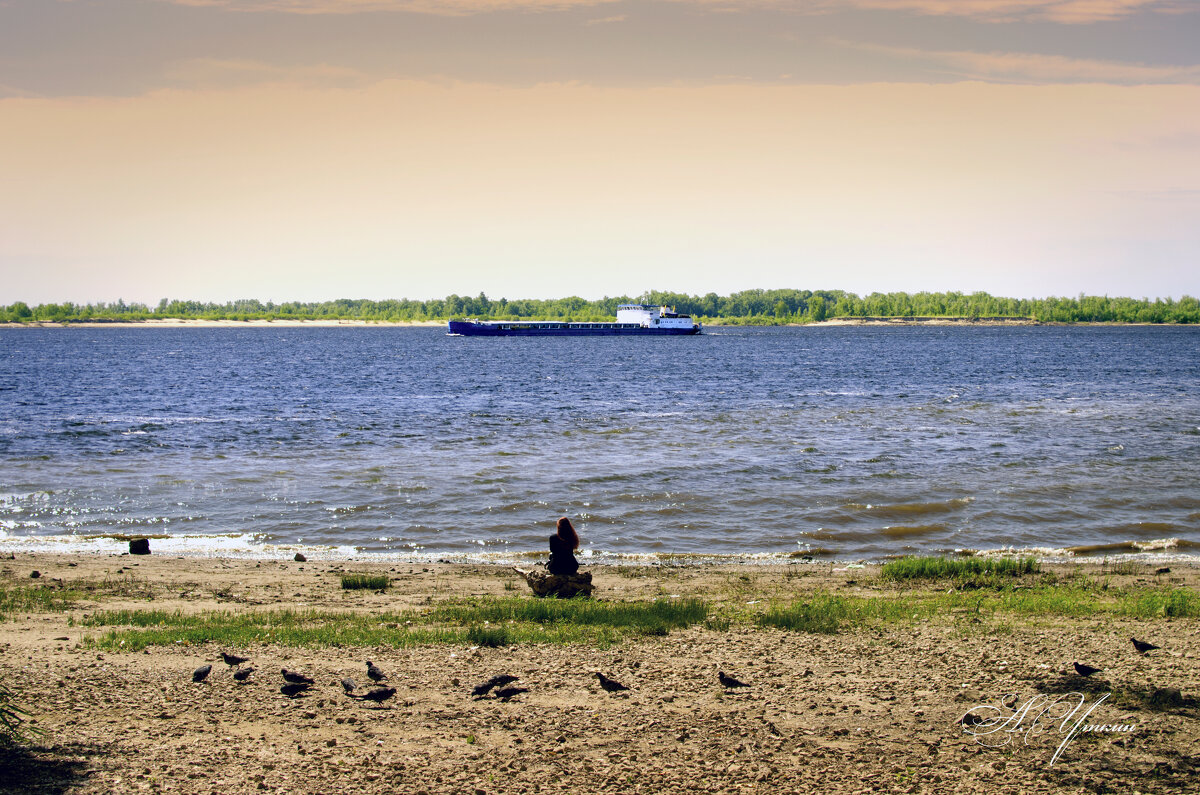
pixel 563 544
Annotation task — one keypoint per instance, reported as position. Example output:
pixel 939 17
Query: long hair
pixel 566 531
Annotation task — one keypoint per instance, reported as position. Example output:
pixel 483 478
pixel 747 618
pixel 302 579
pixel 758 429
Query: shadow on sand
pixel 45 770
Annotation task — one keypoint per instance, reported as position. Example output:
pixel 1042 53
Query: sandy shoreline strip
pixel 872 708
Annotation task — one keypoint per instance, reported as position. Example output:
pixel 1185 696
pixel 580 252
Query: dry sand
pixel 870 710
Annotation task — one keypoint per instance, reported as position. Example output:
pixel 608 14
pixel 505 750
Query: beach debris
pixel 299 558
pixel 348 685
pixel 379 694
pixel 1163 570
pixel 499 680
pixel 33 575
pixel 729 681
pixel 242 674
pixel 297 678
pixel 233 660
pixel 504 694
pixel 610 685
pixel 1085 670
pixel 1142 646
pixel 295 688
pixel 375 673
pixel 201 673
pixel 139 546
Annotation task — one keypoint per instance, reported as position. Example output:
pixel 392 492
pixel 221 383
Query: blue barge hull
pixel 472 328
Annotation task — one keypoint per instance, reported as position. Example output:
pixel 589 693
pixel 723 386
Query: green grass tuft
pixel 36 598
pixel 482 621
pixel 931 568
pixel 488 637
pixel 831 613
pixel 369 582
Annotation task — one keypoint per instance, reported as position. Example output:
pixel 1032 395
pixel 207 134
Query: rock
pixel 300 558
pixel 543 583
pixel 35 574
pixel 139 546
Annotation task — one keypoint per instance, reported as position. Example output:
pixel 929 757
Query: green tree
pixel 816 308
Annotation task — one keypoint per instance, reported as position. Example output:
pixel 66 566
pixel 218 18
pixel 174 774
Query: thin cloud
pixel 212 73
pixel 1063 11
pixel 438 7
pixel 1035 68
pixel 607 20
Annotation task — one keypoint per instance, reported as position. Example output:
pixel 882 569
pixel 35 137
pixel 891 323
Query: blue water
pixel 849 442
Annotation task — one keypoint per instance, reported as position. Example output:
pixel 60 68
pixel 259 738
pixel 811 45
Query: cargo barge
pixel 632 319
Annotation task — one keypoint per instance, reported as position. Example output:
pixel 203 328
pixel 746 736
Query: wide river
pixel 846 443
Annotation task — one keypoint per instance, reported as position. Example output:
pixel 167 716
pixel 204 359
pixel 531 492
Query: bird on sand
pixel 379 694
pixel 374 672
pixel 1085 670
pixel 729 681
pixel 610 685
pixel 348 685
pixel 1142 646
pixel 242 674
pixel 499 680
pixel 504 694
pixel 294 689
pixel 201 673
pixel 297 678
pixel 233 660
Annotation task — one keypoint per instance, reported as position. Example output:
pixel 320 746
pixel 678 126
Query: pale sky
pixel 318 149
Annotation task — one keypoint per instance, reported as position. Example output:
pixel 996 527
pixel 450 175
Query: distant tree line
pixel 748 307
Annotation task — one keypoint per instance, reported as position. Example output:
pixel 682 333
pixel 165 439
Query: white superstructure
pixel 648 316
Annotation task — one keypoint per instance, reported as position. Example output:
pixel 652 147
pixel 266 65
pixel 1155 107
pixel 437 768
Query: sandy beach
pixel 874 708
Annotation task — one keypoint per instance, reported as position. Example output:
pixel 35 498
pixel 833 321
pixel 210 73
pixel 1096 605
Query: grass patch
pixel 36 598
pixel 369 582
pixel 485 621
pixel 933 568
pixel 651 617
pixel 826 613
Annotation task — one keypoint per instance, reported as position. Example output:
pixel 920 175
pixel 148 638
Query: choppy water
pixel 851 442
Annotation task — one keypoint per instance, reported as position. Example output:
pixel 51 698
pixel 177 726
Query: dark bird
pixel 374 672
pixel 729 681
pixel 232 660
pixel 348 685
pixel 504 694
pixel 201 673
pixel 1142 646
pixel 500 680
pixel 1085 670
pixel 610 685
pixel 294 689
pixel 296 678
pixel 242 674
pixel 379 694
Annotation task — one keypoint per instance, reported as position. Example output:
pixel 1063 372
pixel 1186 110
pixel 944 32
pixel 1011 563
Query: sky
pixel 319 149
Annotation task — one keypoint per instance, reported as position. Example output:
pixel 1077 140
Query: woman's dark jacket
pixel 562 557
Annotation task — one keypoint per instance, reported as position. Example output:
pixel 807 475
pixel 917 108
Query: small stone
pixel 139 546
pixel 33 575
pixel 300 558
